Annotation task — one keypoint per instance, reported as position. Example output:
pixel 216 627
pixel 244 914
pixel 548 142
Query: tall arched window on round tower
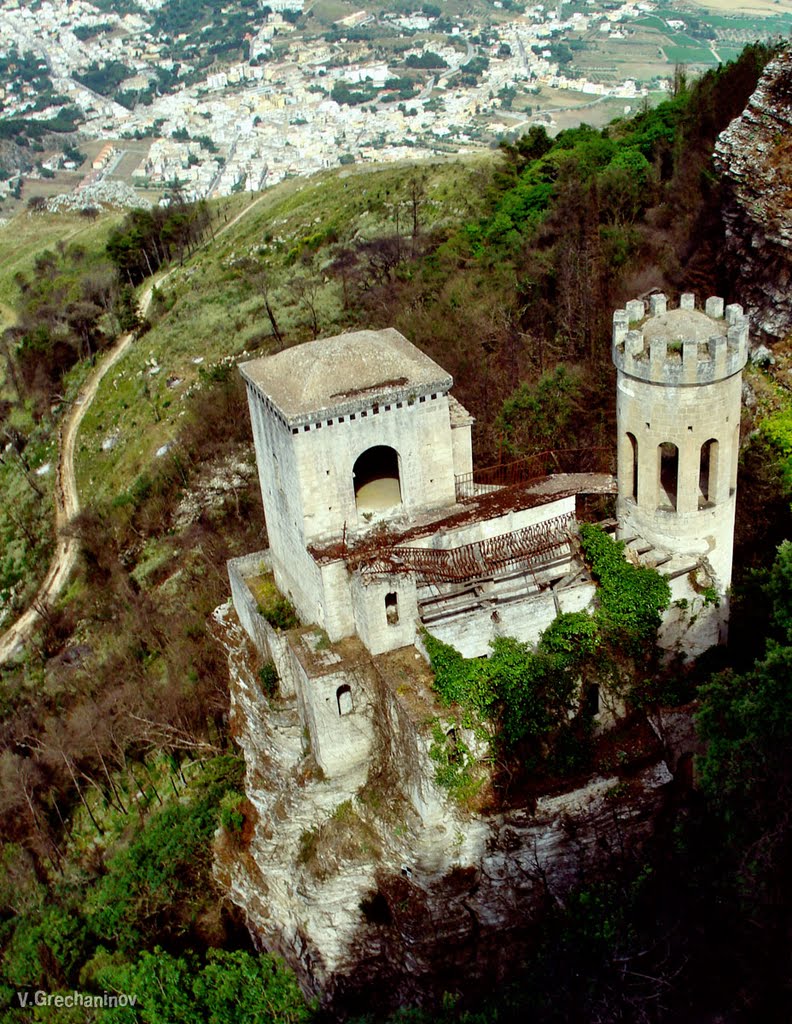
pixel 632 467
pixel 668 457
pixel 376 479
pixel 708 472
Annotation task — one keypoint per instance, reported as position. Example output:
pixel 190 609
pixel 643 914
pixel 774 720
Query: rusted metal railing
pixel 534 467
pixel 524 548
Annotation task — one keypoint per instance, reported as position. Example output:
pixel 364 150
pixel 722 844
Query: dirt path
pixel 67 498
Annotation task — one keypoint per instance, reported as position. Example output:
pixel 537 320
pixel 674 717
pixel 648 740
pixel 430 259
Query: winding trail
pixel 67 498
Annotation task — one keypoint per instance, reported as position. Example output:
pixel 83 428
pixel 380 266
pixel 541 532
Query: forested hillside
pixel 116 763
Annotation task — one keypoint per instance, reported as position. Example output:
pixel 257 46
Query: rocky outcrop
pixel 378 888
pixel 754 158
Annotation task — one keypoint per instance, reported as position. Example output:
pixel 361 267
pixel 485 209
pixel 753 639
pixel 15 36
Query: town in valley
pixel 121 102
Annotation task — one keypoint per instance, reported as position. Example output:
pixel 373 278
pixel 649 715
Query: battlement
pixel 680 346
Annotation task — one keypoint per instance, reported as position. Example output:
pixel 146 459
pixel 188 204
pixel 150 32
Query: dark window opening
pixel 669 474
pixel 591 701
pixel 452 747
pixel 344 698
pixel 376 479
pixel 708 470
pixel 632 470
pixel 392 609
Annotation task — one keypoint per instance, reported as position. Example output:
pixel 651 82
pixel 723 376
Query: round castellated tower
pixel 678 413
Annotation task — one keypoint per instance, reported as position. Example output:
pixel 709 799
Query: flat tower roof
pixel 348 371
pixel 683 325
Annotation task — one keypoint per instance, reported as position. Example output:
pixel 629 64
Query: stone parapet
pixel 683 346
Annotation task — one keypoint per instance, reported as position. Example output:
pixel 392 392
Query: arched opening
pixel 344 698
pixel 708 472
pixel 376 477
pixel 669 474
pixel 632 467
pixel 392 609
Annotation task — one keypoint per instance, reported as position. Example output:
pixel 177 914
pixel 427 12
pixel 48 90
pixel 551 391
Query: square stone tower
pixel 351 432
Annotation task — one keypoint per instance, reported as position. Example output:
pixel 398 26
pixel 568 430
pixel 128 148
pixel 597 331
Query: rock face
pixel 374 885
pixel 754 157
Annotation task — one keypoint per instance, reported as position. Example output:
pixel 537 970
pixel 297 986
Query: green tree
pixel 230 987
pixel 539 417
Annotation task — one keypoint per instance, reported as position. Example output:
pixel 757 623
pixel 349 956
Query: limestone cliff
pixel 754 158
pixel 373 884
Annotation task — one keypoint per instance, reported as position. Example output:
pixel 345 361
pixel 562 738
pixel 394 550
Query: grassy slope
pixel 29 234
pixel 216 314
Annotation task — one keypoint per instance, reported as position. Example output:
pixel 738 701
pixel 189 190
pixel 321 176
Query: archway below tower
pixel 377 480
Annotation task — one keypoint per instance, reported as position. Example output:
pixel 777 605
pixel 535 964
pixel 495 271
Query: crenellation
pixel 621 326
pixel 684 346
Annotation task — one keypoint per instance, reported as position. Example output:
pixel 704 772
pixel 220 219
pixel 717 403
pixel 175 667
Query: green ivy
pixel 455 764
pixel 529 694
pixel 632 598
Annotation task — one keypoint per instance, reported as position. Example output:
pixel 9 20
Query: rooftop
pixel 330 375
pixel 683 325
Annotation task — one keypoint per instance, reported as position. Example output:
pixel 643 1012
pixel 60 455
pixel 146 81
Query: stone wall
pixel 296 573
pixel 472 632
pixel 326 452
pixel 271 644
pixel 385 610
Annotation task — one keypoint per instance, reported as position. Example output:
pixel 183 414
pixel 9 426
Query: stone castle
pixel 379 526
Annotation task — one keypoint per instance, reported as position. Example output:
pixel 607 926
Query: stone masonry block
pixel 658 304
pixel 734 312
pixel 636 310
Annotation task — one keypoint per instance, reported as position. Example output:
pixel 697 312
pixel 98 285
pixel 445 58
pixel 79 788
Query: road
pixel 67 498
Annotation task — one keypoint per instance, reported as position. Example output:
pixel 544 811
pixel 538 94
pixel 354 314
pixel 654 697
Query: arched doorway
pixel 376 479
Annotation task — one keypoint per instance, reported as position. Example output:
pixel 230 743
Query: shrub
pixel 268 677
pixel 281 614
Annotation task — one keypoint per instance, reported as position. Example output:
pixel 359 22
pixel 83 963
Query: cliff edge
pixel 754 158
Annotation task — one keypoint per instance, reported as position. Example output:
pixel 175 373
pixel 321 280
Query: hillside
pixel 283 253
pixel 117 762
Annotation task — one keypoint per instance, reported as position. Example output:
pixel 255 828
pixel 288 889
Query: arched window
pixel 669 474
pixel 376 478
pixel 708 472
pixel 632 467
pixel 344 698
